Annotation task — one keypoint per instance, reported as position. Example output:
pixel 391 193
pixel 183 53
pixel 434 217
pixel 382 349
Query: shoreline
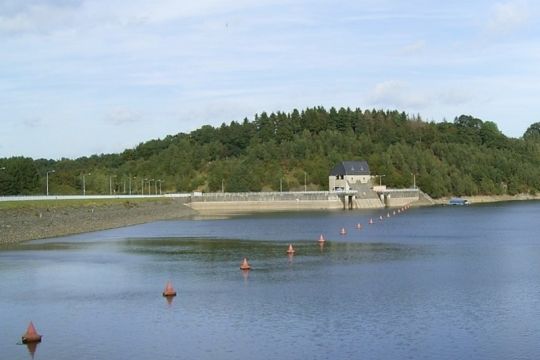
pixel 38 222
pixel 486 199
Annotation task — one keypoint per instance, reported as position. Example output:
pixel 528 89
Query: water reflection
pixel 32 347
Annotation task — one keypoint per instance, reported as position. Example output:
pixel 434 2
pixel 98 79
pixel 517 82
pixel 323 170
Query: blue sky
pixel 79 77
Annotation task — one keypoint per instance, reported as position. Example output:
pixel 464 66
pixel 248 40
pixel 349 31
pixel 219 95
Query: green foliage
pixel 468 156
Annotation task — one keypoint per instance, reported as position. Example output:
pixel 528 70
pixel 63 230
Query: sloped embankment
pixel 36 221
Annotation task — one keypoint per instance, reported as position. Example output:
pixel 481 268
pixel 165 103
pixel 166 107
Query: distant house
pixel 347 174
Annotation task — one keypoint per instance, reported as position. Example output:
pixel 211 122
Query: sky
pixel 83 77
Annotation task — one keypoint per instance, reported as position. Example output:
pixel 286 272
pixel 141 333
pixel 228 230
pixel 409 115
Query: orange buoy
pixel 358 226
pixel 321 239
pixel 290 250
pixel 31 335
pixel 169 290
pixel 342 231
pixel 245 265
pixel 371 220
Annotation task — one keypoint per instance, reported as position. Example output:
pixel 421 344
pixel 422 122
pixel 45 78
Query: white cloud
pixel 508 16
pixel 121 116
pixel 413 48
pixel 397 94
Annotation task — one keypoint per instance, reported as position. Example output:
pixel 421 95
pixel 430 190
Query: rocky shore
pixel 28 223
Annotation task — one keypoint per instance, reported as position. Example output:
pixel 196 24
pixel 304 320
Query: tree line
pixel 291 150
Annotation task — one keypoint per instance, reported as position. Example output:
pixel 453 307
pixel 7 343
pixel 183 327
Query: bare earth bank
pixel 20 224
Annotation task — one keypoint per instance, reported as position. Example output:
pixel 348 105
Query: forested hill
pixel 465 157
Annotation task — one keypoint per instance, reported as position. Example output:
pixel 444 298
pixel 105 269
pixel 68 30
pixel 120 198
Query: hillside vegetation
pixel 465 157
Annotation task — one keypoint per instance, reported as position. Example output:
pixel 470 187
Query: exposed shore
pixel 490 198
pixel 35 222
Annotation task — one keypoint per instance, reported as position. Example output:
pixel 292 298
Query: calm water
pixel 433 283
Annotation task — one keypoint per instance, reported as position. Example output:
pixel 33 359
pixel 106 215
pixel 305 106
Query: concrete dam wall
pixel 281 201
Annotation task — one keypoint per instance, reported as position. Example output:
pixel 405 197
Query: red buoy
pixel 291 250
pixel 31 335
pixel 342 231
pixel 321 239
pixel 169 290
pixel 245 265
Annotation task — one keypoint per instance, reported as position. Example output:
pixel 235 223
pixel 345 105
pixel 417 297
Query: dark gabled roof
pixel 350 168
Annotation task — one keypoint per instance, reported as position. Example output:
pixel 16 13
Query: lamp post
pixel 150 186
pixel 380 179
pixel 280 184
pixel 129 184
pixel 142 186
pixel 222 185
pixel 110 183
pixel 49 171
pixel 160 181
pixel 414 180
pixel 155 186
pixel 84 183
pixel 305 181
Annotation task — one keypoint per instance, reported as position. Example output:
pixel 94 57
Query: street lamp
pixel 305 181
pixel 84 183
pixel 50 171
pixel 150 186
pixel 380 179
pixel 142 186
pixel 160 181
pixel 110 183
pixel 414 180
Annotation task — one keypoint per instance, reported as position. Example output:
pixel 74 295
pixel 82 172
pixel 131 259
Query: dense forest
pixel 465 157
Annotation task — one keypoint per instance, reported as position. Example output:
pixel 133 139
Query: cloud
pixel 454 97
pixel 37 18
pixel 122 116
pixel 397 94
pixel 33 122
pixel 413 48
pixel 508 16
pixel 46 16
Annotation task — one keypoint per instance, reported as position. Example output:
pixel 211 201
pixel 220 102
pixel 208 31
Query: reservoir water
pixel 430 283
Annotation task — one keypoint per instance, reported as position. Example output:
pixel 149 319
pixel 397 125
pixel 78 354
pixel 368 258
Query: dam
pixel 302 200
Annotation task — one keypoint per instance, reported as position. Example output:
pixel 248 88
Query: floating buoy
pixel 380 217
pixel 245 265
pixel 358 226
pixel 169 290
pixel 394 212
pixel 290 250
pixel 398 210
pixel 387 215
pixel 371 220
pixel 342 231
pixel 321 239
pixel 31 335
